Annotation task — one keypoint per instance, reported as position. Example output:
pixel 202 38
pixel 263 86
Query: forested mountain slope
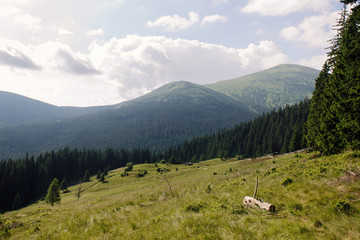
pixel 272 88
pixel 16 109
pixel 167 116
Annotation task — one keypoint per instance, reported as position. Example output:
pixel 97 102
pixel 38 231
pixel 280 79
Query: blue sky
pixel 98 52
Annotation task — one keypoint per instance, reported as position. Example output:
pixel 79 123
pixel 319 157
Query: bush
pixel 286 182
pixel 342 206
pixel 129 167
pixel 141 173
pixel 195 207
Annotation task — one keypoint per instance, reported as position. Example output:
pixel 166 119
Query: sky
pixel 102 52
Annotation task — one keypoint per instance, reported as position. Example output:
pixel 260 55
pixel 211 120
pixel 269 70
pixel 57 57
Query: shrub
pixel 342 206
pixel 286 182
pixel 141 173
pixel 129 166
pixel 195 207
pixel 208 189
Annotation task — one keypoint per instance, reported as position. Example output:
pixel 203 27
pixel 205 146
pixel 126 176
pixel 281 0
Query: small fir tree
pixel 17 203
pixel 98 175
pixel 53 194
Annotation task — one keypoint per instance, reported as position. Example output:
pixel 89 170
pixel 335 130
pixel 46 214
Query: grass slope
pixel 321 202
pixel 271 88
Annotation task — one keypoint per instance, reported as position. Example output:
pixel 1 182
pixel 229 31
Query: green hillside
pixel 272 88
pixel 315 198
pixel 165 117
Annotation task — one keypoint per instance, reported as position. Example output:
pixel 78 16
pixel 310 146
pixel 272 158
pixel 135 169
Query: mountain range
pixel 164 117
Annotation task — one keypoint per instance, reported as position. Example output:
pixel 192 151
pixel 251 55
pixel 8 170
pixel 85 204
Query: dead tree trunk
pixel 253 202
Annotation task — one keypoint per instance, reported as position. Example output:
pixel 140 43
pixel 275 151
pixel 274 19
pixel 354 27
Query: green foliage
pixel 98 175
pixel 195 207
pixel 129 167
pixel 17 203
pixel 141 173
pixel 334 119
pixel 102 177
pixel 53 193
pixel 342 206
pixel 286 182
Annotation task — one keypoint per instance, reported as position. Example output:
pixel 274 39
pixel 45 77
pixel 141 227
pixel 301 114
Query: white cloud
pixel 63 31
pixel 139 64
pixel 174 23
pixel 217 2
pixel 95 32
pixel 130 67
pixel 284 7
pixel 314 62
pixel 313 31
pixel 6 11
pixel 213 19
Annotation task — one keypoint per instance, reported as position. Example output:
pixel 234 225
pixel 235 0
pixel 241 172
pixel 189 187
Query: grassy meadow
pixel 315 198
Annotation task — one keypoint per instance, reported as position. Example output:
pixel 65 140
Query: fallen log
pixel 253 202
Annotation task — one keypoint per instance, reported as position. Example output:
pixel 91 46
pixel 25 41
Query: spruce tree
pixel 53 194
pixel 17 203
pixel 334 119
pixel 98 174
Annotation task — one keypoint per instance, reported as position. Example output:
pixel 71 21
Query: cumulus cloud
pixel 71 63
pixel 284 7
pixel 217 2
pixel 213 19
pixel 314 62
pixel 174 23
pixel 14 58
pixel 313 31
pixel 139 64
pixel 95 32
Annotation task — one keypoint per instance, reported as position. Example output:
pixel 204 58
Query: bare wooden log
pixel 253 202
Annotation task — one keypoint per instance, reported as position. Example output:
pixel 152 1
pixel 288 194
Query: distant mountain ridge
pixel 162 118
pixel 271 88
pixel 16 109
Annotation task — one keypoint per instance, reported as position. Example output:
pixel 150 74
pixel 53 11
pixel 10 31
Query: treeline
pixel 277 131
pixel 29 177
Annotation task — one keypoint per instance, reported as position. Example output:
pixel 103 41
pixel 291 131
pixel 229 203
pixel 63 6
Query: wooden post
pixel 253 202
